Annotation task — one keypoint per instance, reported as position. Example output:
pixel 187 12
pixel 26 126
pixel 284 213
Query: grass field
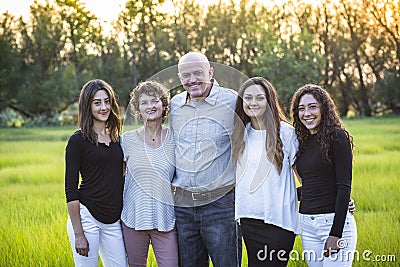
pixel 33 211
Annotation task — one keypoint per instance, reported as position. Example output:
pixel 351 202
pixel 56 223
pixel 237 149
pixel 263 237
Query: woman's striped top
pixel 148 200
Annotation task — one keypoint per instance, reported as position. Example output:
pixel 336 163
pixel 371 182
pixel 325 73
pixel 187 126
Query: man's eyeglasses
pixel 196 73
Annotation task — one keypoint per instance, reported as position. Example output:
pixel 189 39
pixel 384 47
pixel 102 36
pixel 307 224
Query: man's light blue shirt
pixel 202 131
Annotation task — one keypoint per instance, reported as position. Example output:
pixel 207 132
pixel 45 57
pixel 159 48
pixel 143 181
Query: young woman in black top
pixel 324 166
pixel 95 204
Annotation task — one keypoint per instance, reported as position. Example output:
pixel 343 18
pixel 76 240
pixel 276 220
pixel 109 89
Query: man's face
pixel 196 77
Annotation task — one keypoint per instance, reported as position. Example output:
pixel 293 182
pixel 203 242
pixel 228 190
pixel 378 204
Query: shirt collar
pixel 211 98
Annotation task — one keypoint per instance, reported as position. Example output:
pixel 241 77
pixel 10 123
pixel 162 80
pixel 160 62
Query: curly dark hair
pixel 150 88
pixel 272 118
pixel 330 120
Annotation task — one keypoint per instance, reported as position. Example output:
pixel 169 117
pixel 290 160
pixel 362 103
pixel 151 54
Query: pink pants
pixel 165 246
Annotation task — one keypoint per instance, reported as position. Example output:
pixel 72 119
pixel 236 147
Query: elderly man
pixel 202 121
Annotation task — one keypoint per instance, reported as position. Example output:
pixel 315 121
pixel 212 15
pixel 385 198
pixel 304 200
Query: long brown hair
pixel 330 120
pixel 85 117
pixel 271 119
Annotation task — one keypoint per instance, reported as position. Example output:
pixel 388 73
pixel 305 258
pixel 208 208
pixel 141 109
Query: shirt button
pixel 312 217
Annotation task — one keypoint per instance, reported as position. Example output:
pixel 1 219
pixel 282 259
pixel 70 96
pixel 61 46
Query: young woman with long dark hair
pixel 264 146
pixel 324 166
pixel 95 202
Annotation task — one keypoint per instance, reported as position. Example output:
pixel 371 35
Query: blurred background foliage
pixel 351 48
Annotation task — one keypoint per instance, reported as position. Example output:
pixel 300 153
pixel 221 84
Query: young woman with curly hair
pixel 324 167
pixel 264 146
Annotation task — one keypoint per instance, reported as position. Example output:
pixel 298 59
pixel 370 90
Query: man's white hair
pixel 194 57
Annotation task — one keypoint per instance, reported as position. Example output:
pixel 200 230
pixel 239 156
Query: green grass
pixel 33 211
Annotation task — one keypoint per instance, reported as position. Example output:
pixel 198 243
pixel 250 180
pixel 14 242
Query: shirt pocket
pixel 221 132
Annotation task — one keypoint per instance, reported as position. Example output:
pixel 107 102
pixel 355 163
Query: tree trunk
pixel 366 109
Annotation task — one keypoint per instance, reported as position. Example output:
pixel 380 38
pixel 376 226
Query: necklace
pixel 156 136
pixel 151 137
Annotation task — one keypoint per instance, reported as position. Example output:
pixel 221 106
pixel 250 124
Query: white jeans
pixel 104 238
pixel 315 230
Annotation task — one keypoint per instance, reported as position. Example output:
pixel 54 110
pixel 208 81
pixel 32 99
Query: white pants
pixel 314 232
pixel 104 238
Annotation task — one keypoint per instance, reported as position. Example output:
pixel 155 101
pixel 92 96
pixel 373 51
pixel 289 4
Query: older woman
pixel 148 208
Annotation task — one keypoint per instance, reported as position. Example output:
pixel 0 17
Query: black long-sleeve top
pixel 102 182
pixel 326 186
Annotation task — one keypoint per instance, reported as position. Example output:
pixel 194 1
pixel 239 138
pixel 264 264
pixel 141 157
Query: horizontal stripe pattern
pixel 148 199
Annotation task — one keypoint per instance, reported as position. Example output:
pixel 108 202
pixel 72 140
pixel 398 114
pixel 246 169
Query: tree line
pixel 351 48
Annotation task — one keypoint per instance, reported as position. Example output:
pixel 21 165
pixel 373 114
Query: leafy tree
pixel 289 65
pixel 384 52
pixel 387 14
pixel 185 25
pixel 357 27
pixel 10 61
pixel 389 90
pixel 289 60
pixel 80 30
pixel 349 47
pixel 140 24
pixel 47 84
pixel 110 65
